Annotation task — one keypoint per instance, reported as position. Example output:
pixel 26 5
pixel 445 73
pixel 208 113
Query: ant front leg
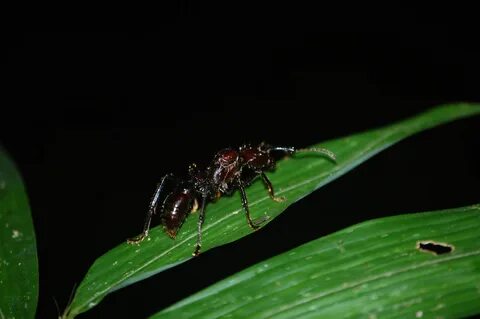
pixel 201 218
pixel 152 209
pixel 270 189
pixel 251 223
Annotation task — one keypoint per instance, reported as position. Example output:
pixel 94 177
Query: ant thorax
pixel 225 170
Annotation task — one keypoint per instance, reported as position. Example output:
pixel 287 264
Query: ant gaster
pixel 230 169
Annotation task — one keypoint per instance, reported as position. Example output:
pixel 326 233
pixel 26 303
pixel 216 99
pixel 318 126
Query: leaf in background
pixel 18 252
pixel 294 178
pixel 370 270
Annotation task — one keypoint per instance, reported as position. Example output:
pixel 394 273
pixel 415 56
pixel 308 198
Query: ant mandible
pixel 230 169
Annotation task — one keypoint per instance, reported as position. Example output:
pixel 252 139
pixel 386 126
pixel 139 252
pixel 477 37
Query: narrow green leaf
pixel 294 178
pixel 371 270
pixel 18 252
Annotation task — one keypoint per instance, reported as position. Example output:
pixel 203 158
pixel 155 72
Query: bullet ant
pixel 230 169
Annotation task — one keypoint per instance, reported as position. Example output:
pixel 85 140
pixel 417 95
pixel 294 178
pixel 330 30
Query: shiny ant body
pixel 230 169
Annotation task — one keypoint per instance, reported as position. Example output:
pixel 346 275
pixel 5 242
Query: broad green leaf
pixel 371 270
pixel 18 252
pixel 294 178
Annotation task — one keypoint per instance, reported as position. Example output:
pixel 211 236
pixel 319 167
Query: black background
pixel 93 120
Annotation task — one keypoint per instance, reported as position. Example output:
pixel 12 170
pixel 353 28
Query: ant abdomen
pixel 175 210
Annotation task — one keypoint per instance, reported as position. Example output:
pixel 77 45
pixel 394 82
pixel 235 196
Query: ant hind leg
pixel 152 209
pixel 201 218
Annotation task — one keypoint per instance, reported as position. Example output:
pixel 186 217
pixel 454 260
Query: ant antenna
pixel 321 150
pixel 293 150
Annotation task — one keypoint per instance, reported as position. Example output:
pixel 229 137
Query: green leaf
pixel 371 270
pixel 294 178
pixel 18 252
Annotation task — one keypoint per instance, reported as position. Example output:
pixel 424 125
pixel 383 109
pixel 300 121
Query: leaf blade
pixel 294 178
pixel 18 253
pixel 372 269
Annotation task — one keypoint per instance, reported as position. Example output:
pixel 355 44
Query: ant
pixel 230 169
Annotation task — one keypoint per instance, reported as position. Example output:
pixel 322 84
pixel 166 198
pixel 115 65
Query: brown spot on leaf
pixel 436 248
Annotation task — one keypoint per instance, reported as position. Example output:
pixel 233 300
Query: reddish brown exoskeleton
pixel 230 169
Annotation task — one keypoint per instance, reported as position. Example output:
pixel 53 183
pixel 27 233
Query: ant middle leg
pixel 152 210
pixel 271 192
